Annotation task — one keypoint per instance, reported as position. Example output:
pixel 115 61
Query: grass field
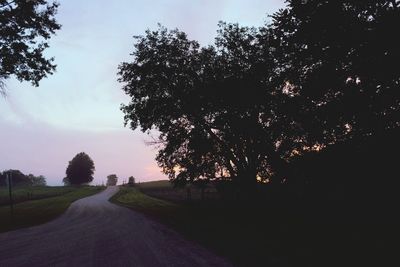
pixel 163 189
pixel 270 234
pixel 27 193
pixel 156 184
pixel 52 203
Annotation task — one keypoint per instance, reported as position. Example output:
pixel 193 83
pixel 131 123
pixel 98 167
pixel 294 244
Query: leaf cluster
pixel 25 28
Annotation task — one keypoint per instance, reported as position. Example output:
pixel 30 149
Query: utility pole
pixel 9 179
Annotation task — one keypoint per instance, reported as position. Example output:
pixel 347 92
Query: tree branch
pixel 8 4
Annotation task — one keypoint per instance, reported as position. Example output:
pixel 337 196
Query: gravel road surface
pixel 95 232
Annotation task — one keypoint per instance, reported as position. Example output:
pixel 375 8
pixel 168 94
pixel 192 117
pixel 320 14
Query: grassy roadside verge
pixel 271 234
pixel 156 208
pixel 34 212
pixel 228 230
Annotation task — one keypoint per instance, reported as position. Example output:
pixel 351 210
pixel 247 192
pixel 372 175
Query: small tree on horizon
pixel 112 179
pixel 131 181
pixel 80 170
pixel 66 181
pixel 37 180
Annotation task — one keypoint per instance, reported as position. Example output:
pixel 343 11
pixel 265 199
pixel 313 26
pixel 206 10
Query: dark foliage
pixel 112 179
pixel 131 181
pixel 37 180
pixel 214 106
pixel 321 77
pixel 363 172
pixel 339 59
pixel 80 170
pixel 25 27
pixel 20 179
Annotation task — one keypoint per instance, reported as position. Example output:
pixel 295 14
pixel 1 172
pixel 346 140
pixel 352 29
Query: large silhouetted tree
pixel 214 106
pixel 80 170
pixel 25 27
pixel 323 72
pixel 339 61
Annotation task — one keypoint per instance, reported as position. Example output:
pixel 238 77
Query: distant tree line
pixel 259 103
pixel 112 179
pixel 20 179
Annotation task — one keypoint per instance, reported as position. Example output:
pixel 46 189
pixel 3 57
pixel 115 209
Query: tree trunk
pixel 247 183
pixel 279 165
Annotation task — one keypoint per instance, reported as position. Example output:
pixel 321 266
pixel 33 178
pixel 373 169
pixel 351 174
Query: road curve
pixel 95 232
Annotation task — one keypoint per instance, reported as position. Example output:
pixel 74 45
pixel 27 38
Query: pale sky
pixel 77 108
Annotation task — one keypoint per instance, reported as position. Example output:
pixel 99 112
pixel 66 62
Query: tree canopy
pixel 340 60
pixel 321 73
pixel 208 103
pixel 25 28
pixel 112 179
pixel 20 179
pixel 37 180
pixel 80 170
pixel 131 181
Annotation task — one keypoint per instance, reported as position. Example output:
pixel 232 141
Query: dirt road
pixel 95 232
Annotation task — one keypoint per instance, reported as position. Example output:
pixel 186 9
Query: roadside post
pixel 9 180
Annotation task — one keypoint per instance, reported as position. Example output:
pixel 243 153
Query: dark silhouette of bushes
pixel 360 171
